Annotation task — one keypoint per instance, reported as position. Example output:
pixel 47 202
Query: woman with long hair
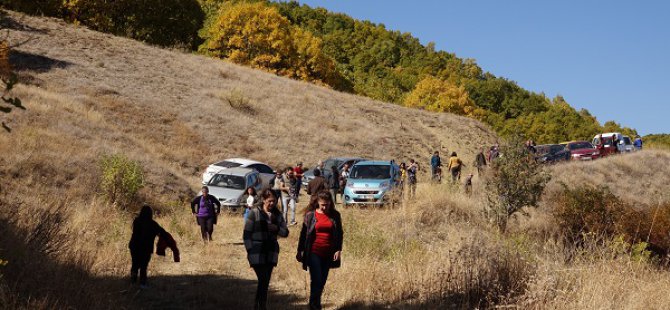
pixel 320 245
pixel 141 244
pixel 249 199
pixel 262 226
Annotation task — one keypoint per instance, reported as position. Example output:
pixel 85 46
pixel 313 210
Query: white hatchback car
pixel 265 171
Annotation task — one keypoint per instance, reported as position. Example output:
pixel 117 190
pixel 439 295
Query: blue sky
pixel 610 57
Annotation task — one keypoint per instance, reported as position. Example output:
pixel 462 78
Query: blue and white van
pixel 370 182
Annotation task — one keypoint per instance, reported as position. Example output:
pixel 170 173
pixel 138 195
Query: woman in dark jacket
pixel 141 244
pixel 261 228
pixel 205 213
pixel 320 244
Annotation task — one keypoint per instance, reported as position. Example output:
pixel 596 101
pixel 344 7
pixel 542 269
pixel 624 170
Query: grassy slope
pixel 91 93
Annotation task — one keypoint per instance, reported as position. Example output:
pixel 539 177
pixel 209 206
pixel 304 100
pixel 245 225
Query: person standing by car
pixel 403 178
pixel 638 143
pixel 320 244
pixel 317 184
pixel 454 167
pixel 480 162
pixel 435 164
pixel 298 174
pixel 141 244
pixel 203 207
pixel 344 176
pixel 249 199
pixel 412 170
pixel 261 228
pixel 334 183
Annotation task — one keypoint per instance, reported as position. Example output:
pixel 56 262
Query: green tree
pixel 513 183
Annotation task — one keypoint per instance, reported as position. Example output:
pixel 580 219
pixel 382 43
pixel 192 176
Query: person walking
pixel 435 164
pixel 454 167
pixel 276 183
pixel 261 228
pixel 249 199
pixel 317 184
pixel 334 183
pixel 320 244
pixel 480 162
pixel 412 170
pixel 291 189
pixel 206 209
pixel 298 174
pixel 141 244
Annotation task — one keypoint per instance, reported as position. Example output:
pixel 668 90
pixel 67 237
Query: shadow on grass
pixel 23 61
pixel 34 279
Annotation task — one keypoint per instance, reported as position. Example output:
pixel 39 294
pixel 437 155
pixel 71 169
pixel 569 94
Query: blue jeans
pixel 246 213
pixel 318 273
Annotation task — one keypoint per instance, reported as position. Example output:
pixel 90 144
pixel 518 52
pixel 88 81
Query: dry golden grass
pixel 90 94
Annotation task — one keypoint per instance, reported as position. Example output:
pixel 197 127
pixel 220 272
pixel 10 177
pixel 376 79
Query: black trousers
pixel 264 273
pixel 206 227
pixel 140 262
pixel 318 273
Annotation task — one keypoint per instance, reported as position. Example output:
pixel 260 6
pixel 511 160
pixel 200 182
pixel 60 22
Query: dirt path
pixel 217 275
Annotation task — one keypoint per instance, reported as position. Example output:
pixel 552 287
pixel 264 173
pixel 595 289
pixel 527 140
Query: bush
pixel 514 182
pixel 161 22
pixel 590 212
pixel 121 179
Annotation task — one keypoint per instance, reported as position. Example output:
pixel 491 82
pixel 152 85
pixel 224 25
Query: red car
pixel 582 150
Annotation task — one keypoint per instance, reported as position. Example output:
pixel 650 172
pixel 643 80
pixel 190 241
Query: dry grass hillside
pixel 89 94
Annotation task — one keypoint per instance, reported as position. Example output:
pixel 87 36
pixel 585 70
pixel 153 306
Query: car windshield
pixel 329 163
pixel 542 149
pixel 627 140
pixel 227 164
pixel 378 172
pixel 227 181
pixel 580 145
pixel 557 148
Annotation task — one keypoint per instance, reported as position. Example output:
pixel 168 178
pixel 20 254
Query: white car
pixel 265 171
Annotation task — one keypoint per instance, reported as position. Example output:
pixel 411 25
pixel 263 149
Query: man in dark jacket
pixel 316 185
pixel 435 163
pixel 141 244
pixel 480 162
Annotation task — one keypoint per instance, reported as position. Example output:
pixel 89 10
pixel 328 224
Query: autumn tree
pixel 256 35
pixel 437 95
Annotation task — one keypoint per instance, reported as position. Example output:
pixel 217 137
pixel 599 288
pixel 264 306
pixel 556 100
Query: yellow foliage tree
pixel 257 35
pixel 437 95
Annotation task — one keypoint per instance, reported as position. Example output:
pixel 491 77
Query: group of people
pixel 268 215
pixel 319 247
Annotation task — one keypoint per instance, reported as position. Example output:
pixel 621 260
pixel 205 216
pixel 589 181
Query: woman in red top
pixel 320 244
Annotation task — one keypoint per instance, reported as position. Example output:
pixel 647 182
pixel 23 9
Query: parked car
pixel 582 150
pixel 603 142
pixel 327 164
pixel 229 184
pixel 265 171
pixel 551 153
pixel 371 182
pixel 628 144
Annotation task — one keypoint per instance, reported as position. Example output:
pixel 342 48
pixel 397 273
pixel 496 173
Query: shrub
pixel 238 101
pixel 597 212
pixel 161 22
pixel 121 179
pixel 514 182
